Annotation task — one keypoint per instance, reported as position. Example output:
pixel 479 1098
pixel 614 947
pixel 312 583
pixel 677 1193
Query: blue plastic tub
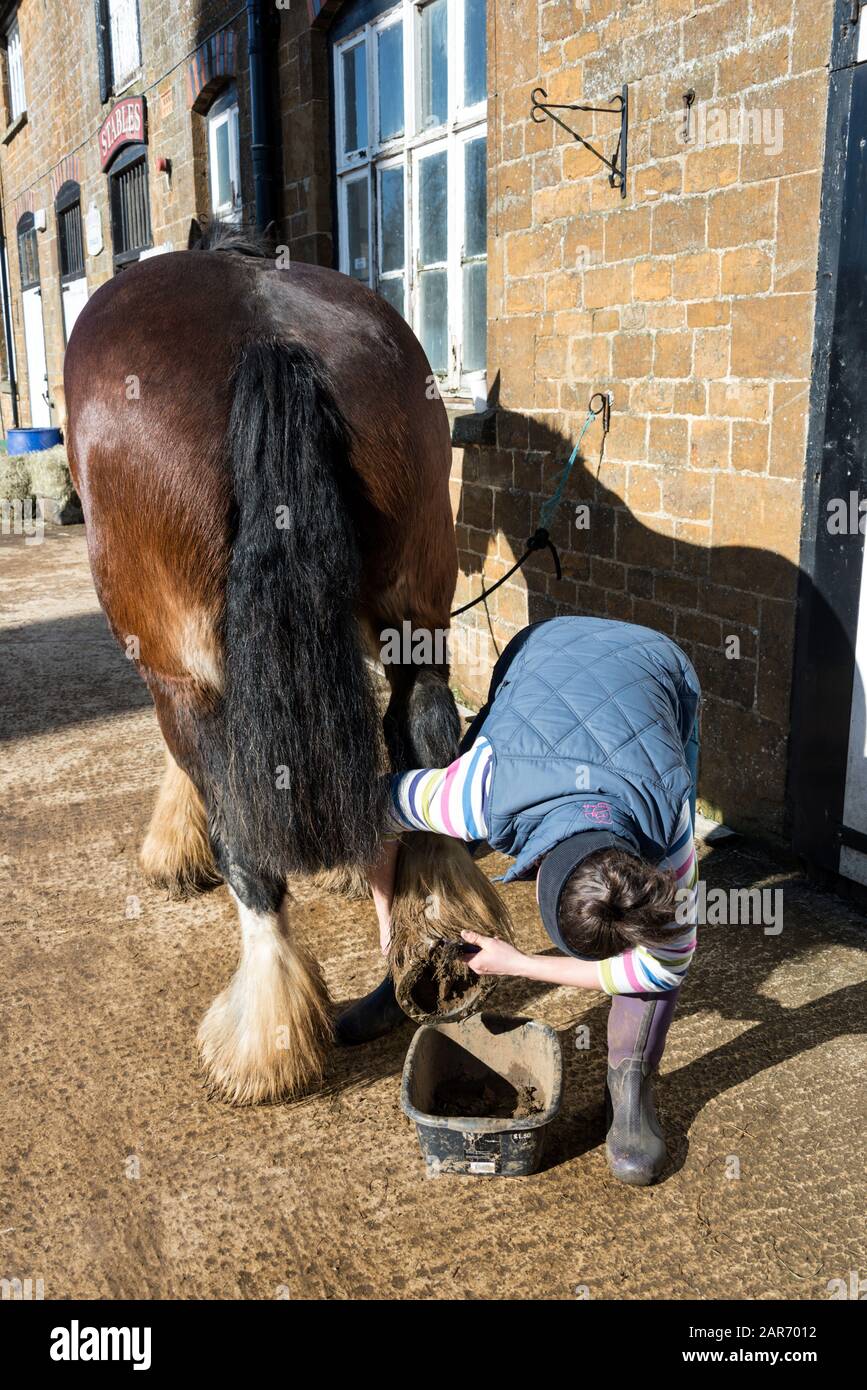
pixel 27 441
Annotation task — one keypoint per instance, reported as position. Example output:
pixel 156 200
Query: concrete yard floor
pixel 121 1179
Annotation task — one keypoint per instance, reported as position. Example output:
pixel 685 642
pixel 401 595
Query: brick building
pixel 694 286
pixel 120 122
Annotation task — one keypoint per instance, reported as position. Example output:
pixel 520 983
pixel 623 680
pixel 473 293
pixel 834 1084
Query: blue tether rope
pixel 541 540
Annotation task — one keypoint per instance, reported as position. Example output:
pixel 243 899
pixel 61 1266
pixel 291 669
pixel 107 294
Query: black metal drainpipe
pixel 260 115
pixel 7 323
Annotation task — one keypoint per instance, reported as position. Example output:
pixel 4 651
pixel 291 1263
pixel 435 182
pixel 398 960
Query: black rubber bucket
pixel 504 1073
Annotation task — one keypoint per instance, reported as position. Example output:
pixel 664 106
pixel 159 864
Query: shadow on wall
pixel 731 608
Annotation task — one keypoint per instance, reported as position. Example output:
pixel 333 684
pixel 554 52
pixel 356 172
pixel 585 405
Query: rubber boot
pixel 637 1028
pixel 372 1017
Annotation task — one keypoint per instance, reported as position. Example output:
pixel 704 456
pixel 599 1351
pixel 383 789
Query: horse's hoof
pixel 441 986
pixel 259 1044
pixel 189 882
pixel 239 1074
pixel 182 865
pixel 176 852
pixel 439 893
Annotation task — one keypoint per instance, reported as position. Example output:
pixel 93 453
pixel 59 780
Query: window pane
pixel 15 71
pixel 433 208
pixel 475 316
pixel 475 169
pixel 433 290
pixel 355 99
pixel 224 182
pixel 390 53
pixel 125 55
pixel 392 290
pixel 29 259
pixel 475 48
pixel 434 64
pixel 357 229
pixel 391 215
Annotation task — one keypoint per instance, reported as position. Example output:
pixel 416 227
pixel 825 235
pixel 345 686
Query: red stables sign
pixel 124 124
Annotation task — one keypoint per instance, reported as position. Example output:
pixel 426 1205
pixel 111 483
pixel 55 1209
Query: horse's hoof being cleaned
pixel 440 892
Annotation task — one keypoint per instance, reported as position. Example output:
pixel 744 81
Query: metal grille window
pixel 28 252
pixel 411 105
pixel 15 72
pixel 69 234
pixel 130 206
pixel 123 29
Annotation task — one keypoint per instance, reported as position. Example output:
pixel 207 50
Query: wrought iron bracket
pixel 616 166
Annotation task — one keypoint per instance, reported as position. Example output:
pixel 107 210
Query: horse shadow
pixel 47 673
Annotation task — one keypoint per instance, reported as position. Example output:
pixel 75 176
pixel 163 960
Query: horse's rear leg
pixel 266 1036
pixel 176 852
pixel 439 891
pixel 422 726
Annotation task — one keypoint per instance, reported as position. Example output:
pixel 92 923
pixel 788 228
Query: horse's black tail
pixel 301 786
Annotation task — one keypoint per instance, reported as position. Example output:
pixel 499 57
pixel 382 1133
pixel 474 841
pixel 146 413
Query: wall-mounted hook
pixel 606 400
pixel 688 100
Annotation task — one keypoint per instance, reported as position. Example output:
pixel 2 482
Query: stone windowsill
pixel 13 128
pixel 123 89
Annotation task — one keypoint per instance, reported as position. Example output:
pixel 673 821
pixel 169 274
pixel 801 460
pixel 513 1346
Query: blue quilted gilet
pixel 587 719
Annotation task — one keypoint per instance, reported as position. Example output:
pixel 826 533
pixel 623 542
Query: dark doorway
pixel 828 776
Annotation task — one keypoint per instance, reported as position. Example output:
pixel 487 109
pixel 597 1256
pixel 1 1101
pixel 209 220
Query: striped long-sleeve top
pixel 453 801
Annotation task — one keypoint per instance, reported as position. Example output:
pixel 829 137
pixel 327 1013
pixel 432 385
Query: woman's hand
pixel 493 957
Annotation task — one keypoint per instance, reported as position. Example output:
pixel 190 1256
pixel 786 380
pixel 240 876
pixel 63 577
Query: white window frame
pixel 15 72
pixel 124 41
pixel 461 124
pixel 224 112
pixel 382 166
pixel 358 175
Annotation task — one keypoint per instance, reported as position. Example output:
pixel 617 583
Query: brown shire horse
pixel 264 478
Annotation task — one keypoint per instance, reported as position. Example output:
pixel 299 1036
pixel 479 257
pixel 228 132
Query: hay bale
pixel 43 477
pixel 14 478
